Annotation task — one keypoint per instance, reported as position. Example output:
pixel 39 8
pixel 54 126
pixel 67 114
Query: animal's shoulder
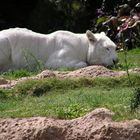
pixel 63 32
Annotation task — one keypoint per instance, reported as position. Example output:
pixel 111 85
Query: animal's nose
pixel 115 61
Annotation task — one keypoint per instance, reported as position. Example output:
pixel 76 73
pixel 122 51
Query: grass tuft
pixel 135 101
pixel 68 98
pixel 17 74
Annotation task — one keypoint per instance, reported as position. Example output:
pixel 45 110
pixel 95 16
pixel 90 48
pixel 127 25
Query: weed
pixel 17 74
pixel 72 111
pixel 135 101
pixel 29 56
pixel 3 94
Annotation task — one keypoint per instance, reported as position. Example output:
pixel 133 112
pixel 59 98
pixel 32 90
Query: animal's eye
pixel 107 49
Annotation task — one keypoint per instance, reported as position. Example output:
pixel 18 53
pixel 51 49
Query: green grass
pixel 133 59
pixel 18 74
pixel 69 98
pixel 69 104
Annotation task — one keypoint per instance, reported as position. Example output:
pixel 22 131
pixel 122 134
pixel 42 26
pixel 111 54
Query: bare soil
pixel 90 72
pixel 96 125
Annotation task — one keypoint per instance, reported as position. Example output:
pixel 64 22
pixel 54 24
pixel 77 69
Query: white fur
pixel 21 48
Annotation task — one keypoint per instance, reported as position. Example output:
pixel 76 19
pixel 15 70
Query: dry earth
pixel 91 72
pixel 97 125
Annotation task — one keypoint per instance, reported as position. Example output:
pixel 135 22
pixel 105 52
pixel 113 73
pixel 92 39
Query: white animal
pixel 22 48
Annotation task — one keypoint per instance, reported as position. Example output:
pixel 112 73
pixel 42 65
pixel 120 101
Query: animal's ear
pixel 103 33
pixel 90 35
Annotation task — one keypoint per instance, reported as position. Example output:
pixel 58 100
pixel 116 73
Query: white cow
pixel 22 48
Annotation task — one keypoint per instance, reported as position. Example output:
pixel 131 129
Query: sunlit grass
pixel 133 59
pixel 69 98
pixel 71 104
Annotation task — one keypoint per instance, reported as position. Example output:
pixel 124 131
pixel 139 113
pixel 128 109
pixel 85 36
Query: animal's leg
pixel 65 63
pixel 80 64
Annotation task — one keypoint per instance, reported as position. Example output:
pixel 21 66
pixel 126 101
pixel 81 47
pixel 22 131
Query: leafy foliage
pixel 51 15
pixel 46 16
pixel 122 25
pixel 74 110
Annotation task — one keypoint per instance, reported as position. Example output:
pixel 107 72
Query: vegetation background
pixel 46 16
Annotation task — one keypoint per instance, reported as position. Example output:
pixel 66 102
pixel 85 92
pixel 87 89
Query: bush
pixel 122 25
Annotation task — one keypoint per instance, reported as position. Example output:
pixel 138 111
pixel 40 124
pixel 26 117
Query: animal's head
pixel 102 51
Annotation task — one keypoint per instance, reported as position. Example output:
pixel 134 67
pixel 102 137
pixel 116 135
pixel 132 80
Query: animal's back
pixel 15 30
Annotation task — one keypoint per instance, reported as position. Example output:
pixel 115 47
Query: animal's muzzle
pixel 115 61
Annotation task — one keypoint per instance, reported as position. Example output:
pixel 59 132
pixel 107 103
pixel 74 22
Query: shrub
pixel 126 23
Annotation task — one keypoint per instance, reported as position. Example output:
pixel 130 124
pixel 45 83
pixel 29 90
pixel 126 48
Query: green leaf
pixel 100 21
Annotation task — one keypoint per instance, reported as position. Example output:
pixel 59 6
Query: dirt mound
pixel 3 81
pixel 97 125
pixel 89 72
